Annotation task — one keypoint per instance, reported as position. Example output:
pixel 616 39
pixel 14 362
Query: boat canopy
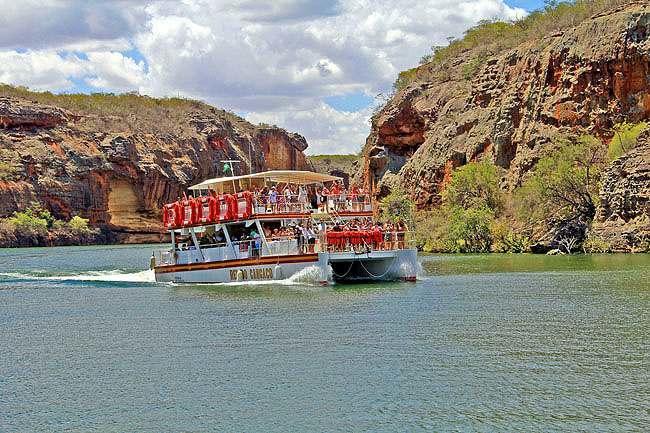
pixel 297 177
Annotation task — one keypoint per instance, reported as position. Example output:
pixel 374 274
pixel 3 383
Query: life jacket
pixel 223 207
pixel 205 209
pixel 172 215
pixel 244 204
pixel 189 211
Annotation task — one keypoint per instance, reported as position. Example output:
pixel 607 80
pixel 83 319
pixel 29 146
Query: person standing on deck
pixel 273 200
pixel 302 198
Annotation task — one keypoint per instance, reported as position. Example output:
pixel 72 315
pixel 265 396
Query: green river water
pixel 480 343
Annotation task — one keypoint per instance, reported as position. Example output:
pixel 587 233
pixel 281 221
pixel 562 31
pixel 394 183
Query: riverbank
pixel 36 227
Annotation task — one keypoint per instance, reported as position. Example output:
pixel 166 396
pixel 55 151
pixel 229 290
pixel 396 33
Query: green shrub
pixel 471 68
pixel 404 78
pixel 594 244
pixel 563 185
pixel 469 230
pixel 397 207
pixel 505 239
pixel 430 231
pixel 7 171
pixel 558 200
pixel 33 221
pixel 475 185
pixel 625 138
pixel 79 226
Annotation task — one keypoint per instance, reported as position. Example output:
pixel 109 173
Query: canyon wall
pixel 118 169
pixel 510 110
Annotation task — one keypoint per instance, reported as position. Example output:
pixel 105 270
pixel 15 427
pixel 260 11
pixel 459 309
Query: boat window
pixel 212 235
pixel 240 232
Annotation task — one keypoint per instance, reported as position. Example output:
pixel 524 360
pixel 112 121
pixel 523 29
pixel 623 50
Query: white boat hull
pixel 261 269
pixel 390 265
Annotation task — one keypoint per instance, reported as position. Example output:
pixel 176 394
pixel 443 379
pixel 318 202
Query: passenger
pixel 302 198
pixel 314 198
pixel 287 198
pixel 273 200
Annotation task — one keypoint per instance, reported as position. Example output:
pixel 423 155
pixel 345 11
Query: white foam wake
pixel 116 275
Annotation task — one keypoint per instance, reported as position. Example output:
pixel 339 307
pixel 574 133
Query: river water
pixel 480 343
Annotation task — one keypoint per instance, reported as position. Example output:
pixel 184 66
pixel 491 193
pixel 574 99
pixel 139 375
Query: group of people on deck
pixel 358 234
pixel 300 198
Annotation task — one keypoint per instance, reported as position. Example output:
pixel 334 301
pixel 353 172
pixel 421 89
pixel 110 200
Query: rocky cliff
pixel 623 219
pixel 116 159
pixel 510 108
pixel 343 166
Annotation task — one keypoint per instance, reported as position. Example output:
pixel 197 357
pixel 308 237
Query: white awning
pixel 278 176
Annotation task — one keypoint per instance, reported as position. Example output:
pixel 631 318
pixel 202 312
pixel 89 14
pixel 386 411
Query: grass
pixel 127 111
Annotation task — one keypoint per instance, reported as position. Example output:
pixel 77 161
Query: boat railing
pixel 199 212
pixel 261 206
pixel 344 202
pixel 236 250
pixel 364 241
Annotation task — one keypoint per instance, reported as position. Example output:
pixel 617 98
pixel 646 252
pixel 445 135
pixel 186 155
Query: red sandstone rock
pixel 118 172
pixel 582 80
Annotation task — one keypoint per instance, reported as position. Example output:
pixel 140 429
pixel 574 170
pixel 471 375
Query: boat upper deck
pixel 267 196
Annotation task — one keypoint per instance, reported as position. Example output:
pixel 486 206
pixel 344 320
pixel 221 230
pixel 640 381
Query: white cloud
pixel 40 24
pixel 45 69
pixel 329 130
pixel 112 70
pixel 275 60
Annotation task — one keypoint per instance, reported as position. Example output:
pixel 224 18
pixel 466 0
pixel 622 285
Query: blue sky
pixel 311 66
pixel 529 5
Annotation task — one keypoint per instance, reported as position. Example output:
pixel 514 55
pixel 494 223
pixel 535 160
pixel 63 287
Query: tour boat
pixel 271 226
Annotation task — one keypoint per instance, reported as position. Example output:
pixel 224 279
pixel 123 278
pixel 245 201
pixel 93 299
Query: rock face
pixel 282 149
pixel 343 166
pixel 623 218
pixel 118 170
pixel 584 80
pixel 22 114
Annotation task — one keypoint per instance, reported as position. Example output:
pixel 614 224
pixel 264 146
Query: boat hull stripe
pixel 269 260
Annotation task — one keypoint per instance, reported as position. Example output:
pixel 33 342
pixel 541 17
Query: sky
pixel 316 67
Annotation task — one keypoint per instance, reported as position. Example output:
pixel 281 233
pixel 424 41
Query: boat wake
pixel 307 276
pixel 115 275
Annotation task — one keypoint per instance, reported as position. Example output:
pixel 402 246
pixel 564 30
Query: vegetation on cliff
pixel 37 227
pixel 475 216
pixel 125 112
pixel 533 98
pixel 490 37
pixel 556 204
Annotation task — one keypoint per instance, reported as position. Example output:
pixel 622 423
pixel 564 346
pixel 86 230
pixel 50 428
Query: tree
pixel 625 138
pixel 397 207
pixel 79 226
pixel 469 230
pixel 561 193
pixel 475 185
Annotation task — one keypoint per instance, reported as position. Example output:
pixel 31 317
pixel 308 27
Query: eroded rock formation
pixel 623 219
pixel 118 171
pixel 509 111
